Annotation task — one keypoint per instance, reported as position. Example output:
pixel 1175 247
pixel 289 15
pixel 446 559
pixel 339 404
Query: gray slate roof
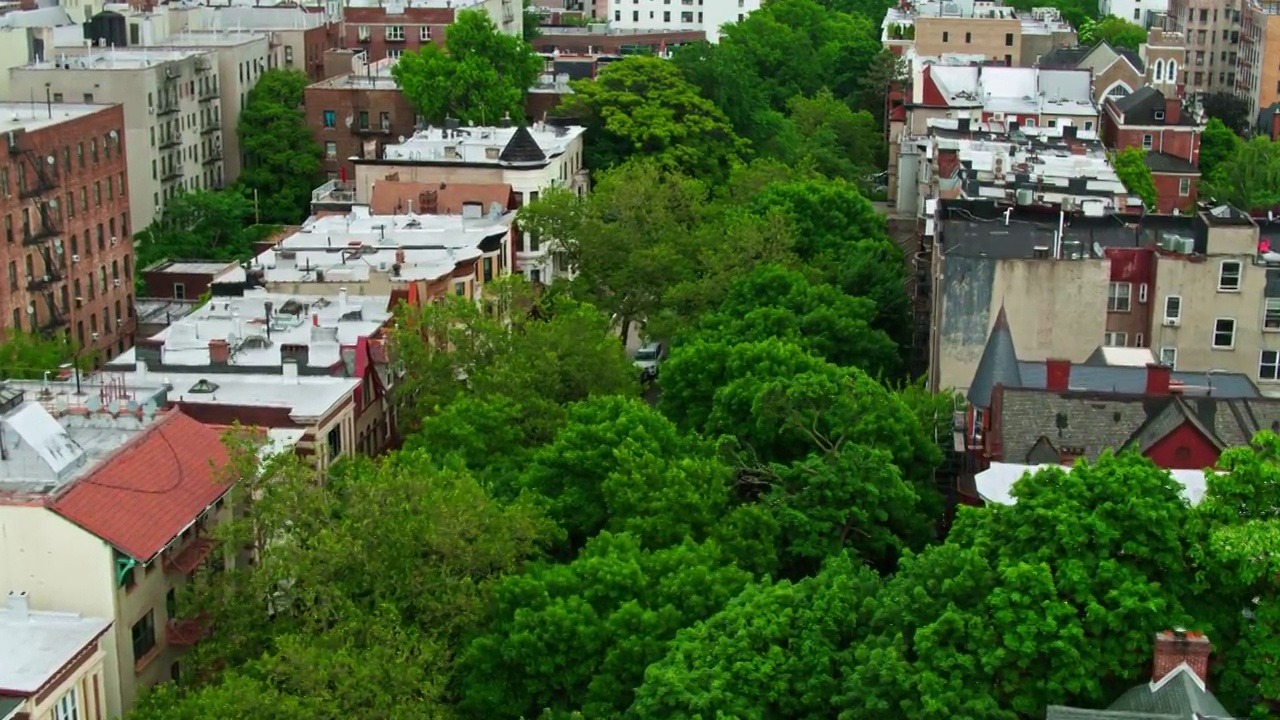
pixel 522 148
pixel 1179 698
pixel 998 365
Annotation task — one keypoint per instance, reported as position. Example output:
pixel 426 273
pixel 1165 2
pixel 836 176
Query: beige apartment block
pixel 171 110
pixel 998 33
pixel 1212 31
pixel 1259 67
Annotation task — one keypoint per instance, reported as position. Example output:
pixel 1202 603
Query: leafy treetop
pixel 282 160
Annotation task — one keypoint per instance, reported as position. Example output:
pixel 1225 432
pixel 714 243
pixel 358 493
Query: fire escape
pixel 38 182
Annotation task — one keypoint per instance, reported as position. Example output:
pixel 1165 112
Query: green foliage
pixel 28 356
pixel 282 161
pixel 1250 178
pixel 199 224
pixel 835 140
pixel 1116 32
pixel 1131 167
pixel 1217 145
pixel 479 76
pixel 532 21
pixel 1232 109
pixel 642 106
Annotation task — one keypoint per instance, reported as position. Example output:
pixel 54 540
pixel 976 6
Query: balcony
pixel 41 283
pixel 191 557
pixel 38 235
pixel 168 109
pixel 333 195
pixel 187 632
pixel 215 155
pixel 211 127
pixel 174 173
pixel 172 140
pixel 208 94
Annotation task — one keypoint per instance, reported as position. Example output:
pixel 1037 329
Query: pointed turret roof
pixel 522 148
pixel 998 366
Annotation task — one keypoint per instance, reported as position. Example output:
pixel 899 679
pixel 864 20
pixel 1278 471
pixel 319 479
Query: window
pixel 968 38
pixel 1008 39
pixel 363 32
pixel 1119 297
pixel 424 33
pixel 1088 125
pixel 67 707
pixel 1271 315
pixel 1224 334
pixel 1142 293
pixel 144 635
pixel 1269 365
pixel 460 288
pixel 335 442
pixel 1118 90
pixel 1137 12
pixel 1184 186
pixel 1159 115
pixel 395 33
pixel 1146 141
pixel 331 150
pixel 1029 122
pixel 1139 341
pixel 179 291
pixel 1172 309
pixel 1158 71
pixel 330 118
pixel 1229 276
pixel 1169 357
pixel 1114 339
pixel 666 16
pixel 946 37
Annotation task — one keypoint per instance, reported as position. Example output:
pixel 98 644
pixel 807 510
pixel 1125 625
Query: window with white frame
pixel 67 707
pixel 1088 125
pixel 394 54
pixel 1029 122
pixel 424 33
pixel 1169 357
pixel 1147 141
pixel 1224 334
pixel 1119 297
pixel 1269 365
pixel 1139 341
pixel 395 32
pixel 1142 293
pixel 362 31
pixel 1172 309
pixel 1229 276
pixel 1115 339
pixel 1271 315
pixel 1184 187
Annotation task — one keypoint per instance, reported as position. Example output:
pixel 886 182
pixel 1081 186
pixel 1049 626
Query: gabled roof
pixel 1180 695
pixel 1140 108
pixel 522 148
pixel 1159 162
pixel 151 489
pixel 998 365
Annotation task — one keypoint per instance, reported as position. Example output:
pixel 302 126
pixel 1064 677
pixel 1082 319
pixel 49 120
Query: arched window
pixel 1173 71
pixel 1118 90
pixel 1158 73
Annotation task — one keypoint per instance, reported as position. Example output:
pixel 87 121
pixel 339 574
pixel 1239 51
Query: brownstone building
pixel 68 239
pixel 388 30
pixel 356 115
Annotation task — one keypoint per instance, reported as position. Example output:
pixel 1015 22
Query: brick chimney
pixel 1172 109
pixel 1158 379
pixel 219 352
pixel 1057 375
pixel 1177 646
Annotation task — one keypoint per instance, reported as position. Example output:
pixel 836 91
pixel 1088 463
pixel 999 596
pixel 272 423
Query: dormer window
pixel 1159 115
pixel 203 386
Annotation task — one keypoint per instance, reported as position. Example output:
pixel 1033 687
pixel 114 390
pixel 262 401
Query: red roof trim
pixel 151 489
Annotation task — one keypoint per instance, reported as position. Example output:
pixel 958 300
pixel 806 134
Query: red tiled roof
pixel 149 490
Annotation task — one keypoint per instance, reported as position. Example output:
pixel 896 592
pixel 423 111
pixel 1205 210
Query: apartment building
pixel 103 518
pixel 1139 12
pixel 611 39
pixel 1259 61
pixel 1012 37
pixel 1169 132
pixel 389 29
pixel 691 16
pixel 170 100
pixel 53 662
pixel 351 114
pixel 1213 33
pixel 529 159
pixel 297 39
pixel 68 255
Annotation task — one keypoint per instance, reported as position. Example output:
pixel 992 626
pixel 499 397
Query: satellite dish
pixel 401 138
pixel 51 160
pixel 131 407
pixel 94 404
pixel 114 407
pixel 349 121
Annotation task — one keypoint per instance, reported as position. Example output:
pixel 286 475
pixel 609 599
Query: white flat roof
pixel 25 116
pixel 212 38
pixel 306 397
pixel 433 245
pixel 193 267
pixel 115 59
pixel 477 144
pixel 996 483
pixel 37 644
pixel 260 18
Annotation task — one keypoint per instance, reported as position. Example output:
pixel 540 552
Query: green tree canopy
pixel 282 160
pixel 1232 109
pixel 199 224
pixel 28 356
pixel 1131 167
pixel 479 76
pixel 643 106
pixel 1217 145
pixel 1116 32
pixel 1250 178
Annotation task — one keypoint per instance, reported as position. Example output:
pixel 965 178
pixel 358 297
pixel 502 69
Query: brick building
pixel 388 30
pixel 68 249
pixel 356 115
pixel 604 40
pixel 1168 131
pixel 1002 34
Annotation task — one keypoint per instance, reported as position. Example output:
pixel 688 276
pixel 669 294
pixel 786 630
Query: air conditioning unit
pixel 151 109
pixel 1171 322
pixel 75 258
pixel 117 282
pixel 114 240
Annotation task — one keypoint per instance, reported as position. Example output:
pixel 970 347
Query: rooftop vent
pixel 203 386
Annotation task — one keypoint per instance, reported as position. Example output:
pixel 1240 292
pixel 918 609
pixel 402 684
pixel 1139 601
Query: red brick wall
pixel 1183 449
pixel 588 44
pixel 377 21
pixel 90 201
pixel 316 40
pixel 351 101
pixel 1137 267
pixel 1168 197
pixel 1180 142
pixel 160 284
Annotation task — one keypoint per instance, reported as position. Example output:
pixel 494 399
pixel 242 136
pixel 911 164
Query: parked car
pixel 649 359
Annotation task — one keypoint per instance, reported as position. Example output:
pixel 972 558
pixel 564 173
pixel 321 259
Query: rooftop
pixel 162 310
pixel 116 59
pixel 394 197
pixel 38 644
pixel 319 325
pixel 364 76
pixel 152 488
pixel 259 18
pixel 396 7
pixel 190 267
pixel 212 38
pixel 1012 90
pixel 1040 21
pixel 44 17
pixel 980 230
pixel 353 247
pixel 306 398
pixel 502 146
pixel 52 436
pixel 995 485
pixel 29 117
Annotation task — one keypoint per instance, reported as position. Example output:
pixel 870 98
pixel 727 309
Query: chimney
pixel 315 319
pixel 219 352
pixel 19 605
pixel 1057 375
pixel 1172 110
pixel 342 299
pixel 140 372
pixel 400 256
pixel 300 355
pixel 1177 646
pixel 1158 379
pixel 289 372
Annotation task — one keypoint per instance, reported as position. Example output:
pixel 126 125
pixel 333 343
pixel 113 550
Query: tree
pixel 1217 145
pixel 1250 178
pixel 198 224
pixel 28 356
pixel 1131 167
pixel 1231 109
pixel 577 637
pixel 532 21
pixel 282 161
pixel 1116 32
pixel 839 142
pixel 479 76
pixel 643 106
